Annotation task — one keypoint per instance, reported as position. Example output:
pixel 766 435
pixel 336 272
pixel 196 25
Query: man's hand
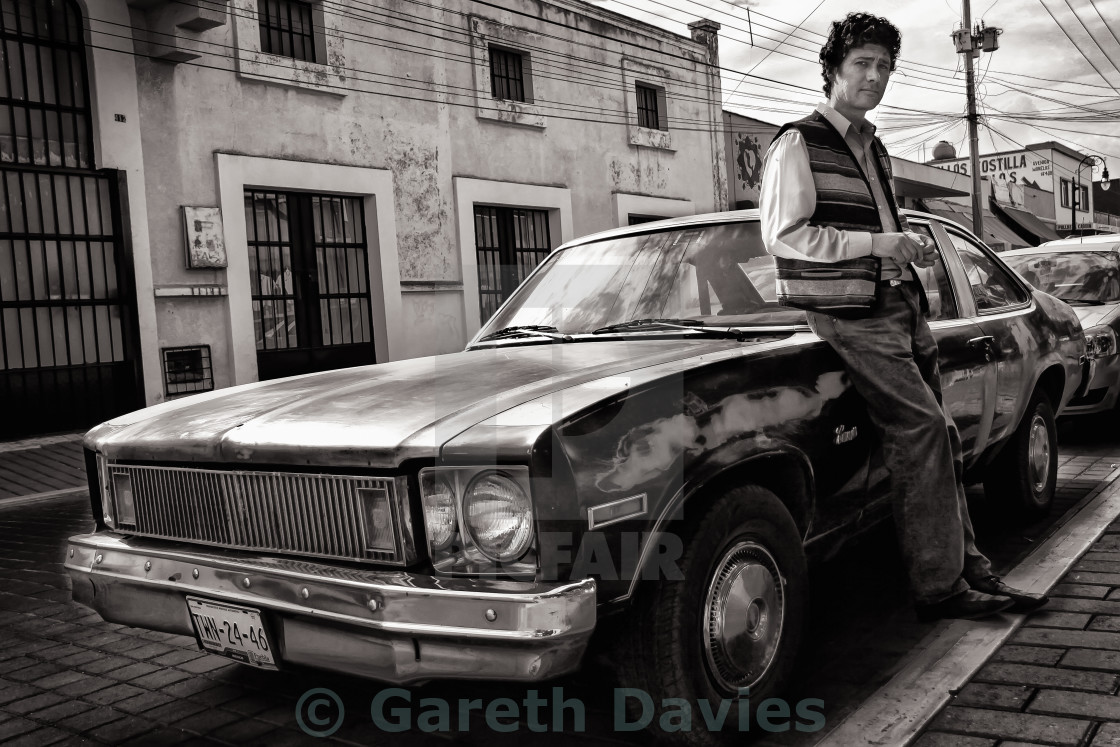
pixel 903 248
pixel 929 249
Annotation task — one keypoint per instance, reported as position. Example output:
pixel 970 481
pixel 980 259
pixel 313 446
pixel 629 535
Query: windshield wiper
pixel 640 323
pixel 543 330
pixel 1086 301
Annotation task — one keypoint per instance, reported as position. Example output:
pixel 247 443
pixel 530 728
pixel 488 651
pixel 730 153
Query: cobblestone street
pixel 67 677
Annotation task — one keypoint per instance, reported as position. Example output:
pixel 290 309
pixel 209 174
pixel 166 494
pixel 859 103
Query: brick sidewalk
pixel 41 467
pixel 1056 680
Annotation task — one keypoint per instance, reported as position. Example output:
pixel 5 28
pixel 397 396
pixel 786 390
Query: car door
pixel 968 375
pixel 1002 308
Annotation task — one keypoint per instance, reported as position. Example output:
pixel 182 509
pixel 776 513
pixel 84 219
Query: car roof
pixel 728 216
pixel 1100 243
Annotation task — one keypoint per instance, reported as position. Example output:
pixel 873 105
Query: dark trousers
pixel 891 358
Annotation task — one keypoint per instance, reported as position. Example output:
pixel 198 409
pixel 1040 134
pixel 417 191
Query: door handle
pixel 987 342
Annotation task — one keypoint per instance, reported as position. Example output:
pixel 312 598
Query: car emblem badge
pixel 844 436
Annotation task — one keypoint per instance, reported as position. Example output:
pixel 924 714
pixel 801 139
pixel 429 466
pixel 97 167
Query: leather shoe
pixel 1024 601
pixel 968 605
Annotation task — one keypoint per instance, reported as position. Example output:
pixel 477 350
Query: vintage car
pixel 1085 273
pixel 640 439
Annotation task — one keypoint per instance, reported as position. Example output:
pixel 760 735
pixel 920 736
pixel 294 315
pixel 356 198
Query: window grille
pixel 510 242
pixel 649 107
pixel 187 369
pixel 287 29
pixel 507 78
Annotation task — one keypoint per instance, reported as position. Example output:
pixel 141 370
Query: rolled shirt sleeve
pixel 788 199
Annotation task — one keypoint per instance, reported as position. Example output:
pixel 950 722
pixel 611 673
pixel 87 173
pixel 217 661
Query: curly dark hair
pixel 857 30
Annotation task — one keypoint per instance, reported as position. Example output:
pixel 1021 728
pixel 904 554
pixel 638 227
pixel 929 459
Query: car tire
pixel 743 563
pixel 1025 474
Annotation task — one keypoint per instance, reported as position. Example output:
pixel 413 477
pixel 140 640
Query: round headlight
pixel 439 510
pixel 498 516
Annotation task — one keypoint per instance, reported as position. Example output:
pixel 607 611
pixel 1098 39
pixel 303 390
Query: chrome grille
pixel 284 512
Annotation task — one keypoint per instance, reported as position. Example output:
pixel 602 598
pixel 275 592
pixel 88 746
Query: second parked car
pixel 1085 273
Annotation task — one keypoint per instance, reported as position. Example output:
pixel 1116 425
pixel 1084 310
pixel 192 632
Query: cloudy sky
pixel 1068 97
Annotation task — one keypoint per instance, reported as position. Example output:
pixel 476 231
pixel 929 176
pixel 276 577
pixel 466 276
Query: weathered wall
pixel 747 142
pixel 400 94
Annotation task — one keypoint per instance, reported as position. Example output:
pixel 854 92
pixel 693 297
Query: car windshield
pixel 716 274
pixel 1093 277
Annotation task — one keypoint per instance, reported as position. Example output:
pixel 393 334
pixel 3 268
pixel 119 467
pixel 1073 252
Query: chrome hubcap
pixel 1038 454
pixel 744 611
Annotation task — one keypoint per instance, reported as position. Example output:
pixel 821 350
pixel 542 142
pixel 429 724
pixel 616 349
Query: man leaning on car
pixel 827 197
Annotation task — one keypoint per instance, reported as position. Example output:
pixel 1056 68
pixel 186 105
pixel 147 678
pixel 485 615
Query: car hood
pixel 379 415
pixel 1091 316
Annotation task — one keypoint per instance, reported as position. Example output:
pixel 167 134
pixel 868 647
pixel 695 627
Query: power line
pixel 1071 41
pixel 909 63
pixel 755 65
pixel 619 119
pixel 1107 25
pixel 1054 165
pixel 773 49
pixel 1090 35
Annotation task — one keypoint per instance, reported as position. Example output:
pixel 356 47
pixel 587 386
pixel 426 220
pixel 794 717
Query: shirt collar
pixel 841 123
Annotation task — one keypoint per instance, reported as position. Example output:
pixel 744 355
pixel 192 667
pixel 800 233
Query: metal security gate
pixel 68 340
pixel 510 242
pixel 308 265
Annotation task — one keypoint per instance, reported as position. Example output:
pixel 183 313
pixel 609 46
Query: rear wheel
pixel 731 629
pixel 1025 475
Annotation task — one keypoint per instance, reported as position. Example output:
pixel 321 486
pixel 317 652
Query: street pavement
pixel 67 677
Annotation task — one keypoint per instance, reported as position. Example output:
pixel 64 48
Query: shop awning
pixel 996 234
pixel 1031 227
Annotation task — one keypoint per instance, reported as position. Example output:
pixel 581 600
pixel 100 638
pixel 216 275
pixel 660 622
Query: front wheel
pixel 1024 476
pixel 731 629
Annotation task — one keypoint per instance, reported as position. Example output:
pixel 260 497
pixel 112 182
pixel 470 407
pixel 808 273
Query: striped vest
pixel 844 198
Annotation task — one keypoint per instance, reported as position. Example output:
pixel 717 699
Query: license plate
pixel 232 631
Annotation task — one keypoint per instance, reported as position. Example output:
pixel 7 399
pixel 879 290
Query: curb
pixel 34 443
pixel 23 500
pixel 898 712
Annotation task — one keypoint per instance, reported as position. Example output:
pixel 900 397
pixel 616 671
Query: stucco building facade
pixel 296 186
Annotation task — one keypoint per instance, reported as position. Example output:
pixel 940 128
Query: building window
pixel 507 75
pixel 309 279
pixel 650 108
pixel 287 29
pixel 1080 193
pixel 187 370
pixel 634 219
pixel 510 242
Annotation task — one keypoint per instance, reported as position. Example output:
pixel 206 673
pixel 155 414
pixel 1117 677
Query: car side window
pixel 935 281
pixel 991 285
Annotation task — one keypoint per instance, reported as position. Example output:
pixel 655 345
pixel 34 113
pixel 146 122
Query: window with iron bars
pixel 510 242
pixel 508 77
pixel 287 28
pixel 651 107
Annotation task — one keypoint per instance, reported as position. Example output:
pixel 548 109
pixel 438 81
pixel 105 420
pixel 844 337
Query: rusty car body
pixel 640 433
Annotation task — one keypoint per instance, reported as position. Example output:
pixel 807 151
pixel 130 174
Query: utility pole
pixel 973 134
pixel 969 42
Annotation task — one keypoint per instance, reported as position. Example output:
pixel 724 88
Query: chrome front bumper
pixel 391 626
